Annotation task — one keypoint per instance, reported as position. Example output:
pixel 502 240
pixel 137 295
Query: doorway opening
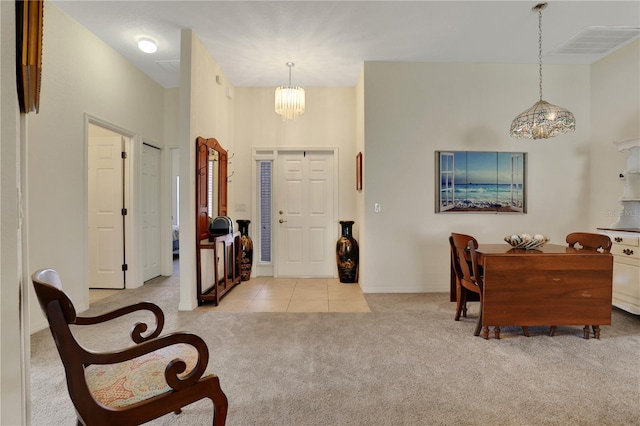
pixel 106 220
pixel 296 198
pixel 150 210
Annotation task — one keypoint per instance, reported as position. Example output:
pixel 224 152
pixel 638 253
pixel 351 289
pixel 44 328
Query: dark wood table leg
pixel 476 332
pixel 586 332
pixel 485 332
pixel 459 303
pixel 596 331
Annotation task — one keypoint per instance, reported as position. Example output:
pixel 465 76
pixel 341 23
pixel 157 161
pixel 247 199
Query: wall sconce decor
pixel 359 171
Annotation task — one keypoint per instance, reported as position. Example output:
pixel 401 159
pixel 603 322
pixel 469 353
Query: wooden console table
pixel 208 152
pixel 231 256
pixel 553 285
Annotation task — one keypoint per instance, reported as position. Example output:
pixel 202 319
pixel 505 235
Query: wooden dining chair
pixel 465 281
pixel 476 274
pixel 155 376
pixel 469 277
pixel 461 240
pixel 590 241
pixel 587 241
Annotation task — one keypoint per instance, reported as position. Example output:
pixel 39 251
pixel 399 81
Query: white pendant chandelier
pixel 290 101
pixel 542 120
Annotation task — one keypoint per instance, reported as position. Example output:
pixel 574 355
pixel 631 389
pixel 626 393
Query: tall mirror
pixel 211 183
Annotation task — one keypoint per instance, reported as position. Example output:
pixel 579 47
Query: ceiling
pixel 330 40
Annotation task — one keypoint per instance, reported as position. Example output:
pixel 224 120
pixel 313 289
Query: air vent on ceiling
pixel 170 65
pixel 597 41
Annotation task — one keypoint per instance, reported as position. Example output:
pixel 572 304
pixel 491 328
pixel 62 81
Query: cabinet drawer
pixel 626 255
pixel 624 241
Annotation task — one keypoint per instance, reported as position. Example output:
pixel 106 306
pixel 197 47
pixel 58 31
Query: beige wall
pixel 615 116
pixel 414 109
pixel 81 75
pixel 204 110
pixel 359 228
pixel 328 122
pixel 14 324
pixel 171 118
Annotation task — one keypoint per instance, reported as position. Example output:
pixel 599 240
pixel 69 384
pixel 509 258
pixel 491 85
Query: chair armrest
pixel 174 368
pixel 138 328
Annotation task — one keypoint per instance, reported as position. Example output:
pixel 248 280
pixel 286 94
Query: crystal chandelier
pixel 289 99
pixel 542 120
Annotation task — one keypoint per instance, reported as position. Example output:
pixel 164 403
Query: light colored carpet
pixel 405 363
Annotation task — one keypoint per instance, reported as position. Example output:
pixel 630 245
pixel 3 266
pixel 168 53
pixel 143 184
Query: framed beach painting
pixel 481 181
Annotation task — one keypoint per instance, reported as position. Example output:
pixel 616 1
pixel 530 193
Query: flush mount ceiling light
pixel 290 101
pixel 542 120
pixel 147 45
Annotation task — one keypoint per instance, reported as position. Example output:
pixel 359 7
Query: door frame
pixel 133 276
pixel 273 153
pixel 160 210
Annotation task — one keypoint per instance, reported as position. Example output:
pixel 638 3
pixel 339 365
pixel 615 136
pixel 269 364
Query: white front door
pixel 304 214
pixel 105 204
pixel 150 212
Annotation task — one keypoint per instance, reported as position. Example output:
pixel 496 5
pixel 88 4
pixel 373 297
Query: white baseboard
pixel 404 289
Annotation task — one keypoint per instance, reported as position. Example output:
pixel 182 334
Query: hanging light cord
pixel 540 7
pixel 290 65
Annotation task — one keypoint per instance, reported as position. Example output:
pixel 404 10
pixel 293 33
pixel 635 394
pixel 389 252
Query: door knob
pixel 282 221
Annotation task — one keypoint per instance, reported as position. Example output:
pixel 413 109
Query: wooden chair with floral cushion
pixel 153 377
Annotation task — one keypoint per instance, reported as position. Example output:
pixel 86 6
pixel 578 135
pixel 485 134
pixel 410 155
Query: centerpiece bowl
pixel 526 241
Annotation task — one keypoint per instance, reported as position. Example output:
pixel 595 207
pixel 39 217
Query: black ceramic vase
pixel 246 245
pixel 347 254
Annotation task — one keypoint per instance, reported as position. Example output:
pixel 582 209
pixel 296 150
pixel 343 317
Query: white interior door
pixel 105 204
pixel 150 212
pixel 304 214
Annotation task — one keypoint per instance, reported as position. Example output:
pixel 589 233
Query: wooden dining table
pixel 551 285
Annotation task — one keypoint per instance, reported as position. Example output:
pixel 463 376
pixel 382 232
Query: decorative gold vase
pixel 246 244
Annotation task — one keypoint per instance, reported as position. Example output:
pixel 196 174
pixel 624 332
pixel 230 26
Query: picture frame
pixel 480 182
pixel 29 30
pixel 359 171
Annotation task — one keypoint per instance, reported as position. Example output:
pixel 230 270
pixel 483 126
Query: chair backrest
pixel 60 312
pixel 590 241
pixel 461 256
pixel 48 287
pixel 475 267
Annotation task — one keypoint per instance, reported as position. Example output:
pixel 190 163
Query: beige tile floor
pixel 267 294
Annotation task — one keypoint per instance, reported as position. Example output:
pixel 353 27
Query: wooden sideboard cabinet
pixel 626 268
